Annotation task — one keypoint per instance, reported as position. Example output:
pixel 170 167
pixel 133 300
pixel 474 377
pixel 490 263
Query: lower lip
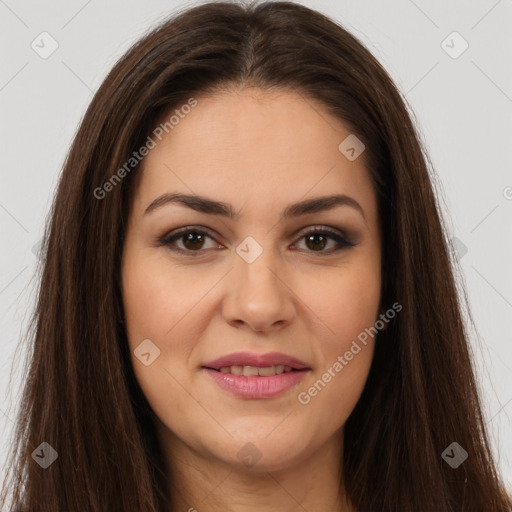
pixel 256 387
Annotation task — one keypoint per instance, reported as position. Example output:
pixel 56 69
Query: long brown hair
pixel 81 396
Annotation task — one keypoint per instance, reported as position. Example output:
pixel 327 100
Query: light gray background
pixel 463 107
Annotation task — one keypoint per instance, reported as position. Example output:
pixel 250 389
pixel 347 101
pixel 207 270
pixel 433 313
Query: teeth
pixel 268 371
pixel 252 371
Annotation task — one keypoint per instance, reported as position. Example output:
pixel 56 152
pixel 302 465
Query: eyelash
pixel 169 239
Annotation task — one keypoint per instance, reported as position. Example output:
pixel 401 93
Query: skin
pixel 258 151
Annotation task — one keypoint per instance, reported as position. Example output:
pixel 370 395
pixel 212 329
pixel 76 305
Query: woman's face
pixel 246 275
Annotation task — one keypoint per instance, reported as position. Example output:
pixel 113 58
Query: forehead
pixel 248 146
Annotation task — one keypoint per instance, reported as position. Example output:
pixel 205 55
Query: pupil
pixel 310 238
pixel 190 238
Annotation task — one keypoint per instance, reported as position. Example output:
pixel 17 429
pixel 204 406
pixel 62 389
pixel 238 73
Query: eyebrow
pixel 212 207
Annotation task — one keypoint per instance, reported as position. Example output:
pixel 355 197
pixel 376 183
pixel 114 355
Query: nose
pixel 258 294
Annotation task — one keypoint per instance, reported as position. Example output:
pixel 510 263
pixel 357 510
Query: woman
pixel 247 300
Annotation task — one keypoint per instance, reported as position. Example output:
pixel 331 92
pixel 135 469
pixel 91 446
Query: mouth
pixel 255 371
pixel 251 364
pixel 252 376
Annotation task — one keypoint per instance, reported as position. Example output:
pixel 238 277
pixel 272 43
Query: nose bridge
pixel 257 296
pixel 257 263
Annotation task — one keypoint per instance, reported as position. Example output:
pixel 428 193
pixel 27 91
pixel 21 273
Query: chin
pixel 262 453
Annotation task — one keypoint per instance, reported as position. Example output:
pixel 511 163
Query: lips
pixel 251 364
pixel 256 376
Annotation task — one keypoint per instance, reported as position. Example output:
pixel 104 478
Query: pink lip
pixel 257 360
pixel 256 387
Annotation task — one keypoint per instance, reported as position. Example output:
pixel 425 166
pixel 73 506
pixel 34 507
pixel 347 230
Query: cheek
pixel 157 302
pixel 346 302
pixel 168 307
pixel 158 307
pixel 346 306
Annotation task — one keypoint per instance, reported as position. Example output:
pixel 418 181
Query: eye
pixel 192 240
pixel 318 237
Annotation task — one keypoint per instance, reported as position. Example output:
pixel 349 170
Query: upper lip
pixel 257 360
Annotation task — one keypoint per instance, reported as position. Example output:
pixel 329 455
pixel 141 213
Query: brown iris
pixel 315 236
pixel 193 240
